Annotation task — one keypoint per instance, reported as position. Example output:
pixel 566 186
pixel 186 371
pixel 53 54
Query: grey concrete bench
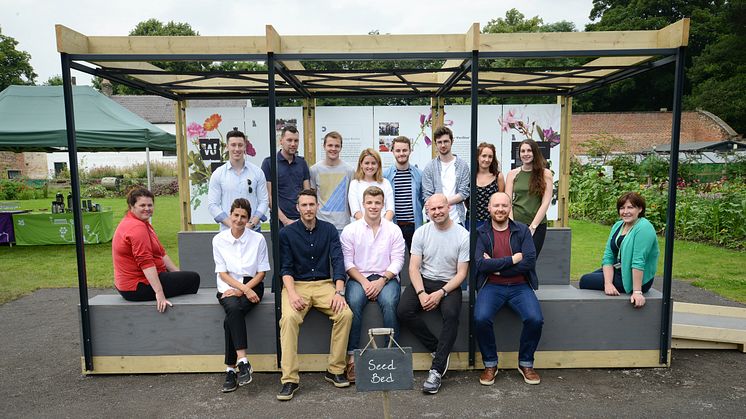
pixel 582 328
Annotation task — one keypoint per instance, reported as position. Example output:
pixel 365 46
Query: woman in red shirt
pixel 142 270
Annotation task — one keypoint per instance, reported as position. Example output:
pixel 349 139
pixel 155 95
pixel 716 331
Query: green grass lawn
pixel 24 269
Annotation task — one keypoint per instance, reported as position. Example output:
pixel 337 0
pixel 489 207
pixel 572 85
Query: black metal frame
pixel 293 87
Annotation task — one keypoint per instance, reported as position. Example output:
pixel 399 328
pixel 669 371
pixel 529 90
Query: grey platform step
pixel 195 254
pixel 574 320
pixel 709 326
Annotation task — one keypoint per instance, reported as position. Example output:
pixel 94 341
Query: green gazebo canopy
pixel 32 118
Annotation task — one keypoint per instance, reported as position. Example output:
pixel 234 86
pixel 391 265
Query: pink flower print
pixel 422 119
pixel 250 149
pixel 195 130
pixel 427 140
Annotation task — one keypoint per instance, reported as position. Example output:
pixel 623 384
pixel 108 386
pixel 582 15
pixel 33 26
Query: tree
pixel 654 91
pixel 15 66
pixel 55 80
pixel 718 74
pixel 154 27
pixel 516 22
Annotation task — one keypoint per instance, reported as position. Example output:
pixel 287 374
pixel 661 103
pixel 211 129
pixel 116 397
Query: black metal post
pixel 678 91
pixel 473 200
pixel 274 221
pixel 85 315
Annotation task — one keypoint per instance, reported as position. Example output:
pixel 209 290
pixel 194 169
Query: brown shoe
pixel 487 378
pixel 529 375
pixel 350 372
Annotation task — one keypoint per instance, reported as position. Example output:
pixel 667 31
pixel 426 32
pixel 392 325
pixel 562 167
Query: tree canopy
pixel 15 65
pixel 713 58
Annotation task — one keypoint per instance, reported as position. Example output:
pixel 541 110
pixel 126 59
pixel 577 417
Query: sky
pixel 31 22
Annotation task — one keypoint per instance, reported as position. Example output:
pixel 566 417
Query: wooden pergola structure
pixel 470 68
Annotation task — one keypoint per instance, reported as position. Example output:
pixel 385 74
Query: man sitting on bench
pixel 505 258
pixel 307 249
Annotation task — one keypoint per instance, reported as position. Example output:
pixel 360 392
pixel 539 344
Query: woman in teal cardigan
pixel 631 254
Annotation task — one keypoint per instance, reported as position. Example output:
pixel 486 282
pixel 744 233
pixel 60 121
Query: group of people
pixel 343 238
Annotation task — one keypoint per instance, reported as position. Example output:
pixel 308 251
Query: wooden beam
pixel 309 130
pixel 159 364
pixel 70 41
pixel 708 309
pixel 472 38
pixel 674 35
pixel 177 45
pixel 274 44
pixel 372 43
pixel 563 198
pixel 182 162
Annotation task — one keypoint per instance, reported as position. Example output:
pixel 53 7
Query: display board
pixel 361 127
pixel 206 144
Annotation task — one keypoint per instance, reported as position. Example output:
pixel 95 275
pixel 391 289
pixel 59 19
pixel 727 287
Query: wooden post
pixel 437 108
pixel 309 130
pixel 182 162
pixel 563 198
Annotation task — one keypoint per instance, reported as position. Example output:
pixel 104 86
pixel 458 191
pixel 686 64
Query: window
pixel 14 174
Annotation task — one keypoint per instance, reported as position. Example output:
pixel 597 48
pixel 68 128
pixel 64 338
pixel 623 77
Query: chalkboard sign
pixel 383 369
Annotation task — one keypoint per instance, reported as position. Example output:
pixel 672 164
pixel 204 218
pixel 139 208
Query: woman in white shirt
pixel 369 173
pixel 241 262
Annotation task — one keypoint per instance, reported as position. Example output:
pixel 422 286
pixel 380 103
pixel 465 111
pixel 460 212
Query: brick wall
pixel 643 130
pixel 12 161
pixel 31 165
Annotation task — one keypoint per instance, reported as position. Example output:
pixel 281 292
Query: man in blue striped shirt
pixel 406 180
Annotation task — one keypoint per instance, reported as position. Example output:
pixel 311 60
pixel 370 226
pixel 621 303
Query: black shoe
pixel 230 384
pixel 287 391
pixel 244 373
pixel 339 380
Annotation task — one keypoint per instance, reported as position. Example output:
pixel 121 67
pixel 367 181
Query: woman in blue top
pixel 631 255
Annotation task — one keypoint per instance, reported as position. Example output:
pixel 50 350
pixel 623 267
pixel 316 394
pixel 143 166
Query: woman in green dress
pixel 530 186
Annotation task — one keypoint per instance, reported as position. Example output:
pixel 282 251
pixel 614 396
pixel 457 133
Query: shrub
pixel 170 188
pixel 713 213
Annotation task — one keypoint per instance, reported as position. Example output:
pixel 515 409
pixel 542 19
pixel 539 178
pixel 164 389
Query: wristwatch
pixel 445 293
pixel 340 293
pixel 420 292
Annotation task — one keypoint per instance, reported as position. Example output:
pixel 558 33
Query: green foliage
pixel 516 22
pixel 715 58
pixel 718 75
pixel 55 80
pixel 19 189
pixel 713 213
pixel 600 145
pixel 95 191
pixel 15 65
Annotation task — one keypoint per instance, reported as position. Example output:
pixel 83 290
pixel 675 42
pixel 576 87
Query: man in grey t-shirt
pixel 438 265
pixel 331 179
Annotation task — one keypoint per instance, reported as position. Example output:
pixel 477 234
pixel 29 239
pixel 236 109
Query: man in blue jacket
pixel 505 258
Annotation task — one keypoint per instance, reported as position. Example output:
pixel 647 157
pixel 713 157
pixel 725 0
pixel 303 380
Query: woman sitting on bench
pixel 631 255
pixel 142 270
pixel 241 262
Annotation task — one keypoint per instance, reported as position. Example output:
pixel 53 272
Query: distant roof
pixel 160 110
pixel 702 146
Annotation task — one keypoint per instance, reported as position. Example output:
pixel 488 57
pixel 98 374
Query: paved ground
pixel 40 377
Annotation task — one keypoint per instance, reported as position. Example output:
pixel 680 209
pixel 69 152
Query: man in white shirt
pixel 331 179
pixel 373 249
pixel 447 174
pixel 237 178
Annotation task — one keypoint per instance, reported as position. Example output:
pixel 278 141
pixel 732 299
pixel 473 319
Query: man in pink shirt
pixel 373 249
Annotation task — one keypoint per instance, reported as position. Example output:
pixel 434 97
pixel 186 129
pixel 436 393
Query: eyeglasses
pixel 249 183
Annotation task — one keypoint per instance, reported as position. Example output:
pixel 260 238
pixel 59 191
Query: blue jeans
pixel 595 281
pixel 522 299
pixel 388 300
